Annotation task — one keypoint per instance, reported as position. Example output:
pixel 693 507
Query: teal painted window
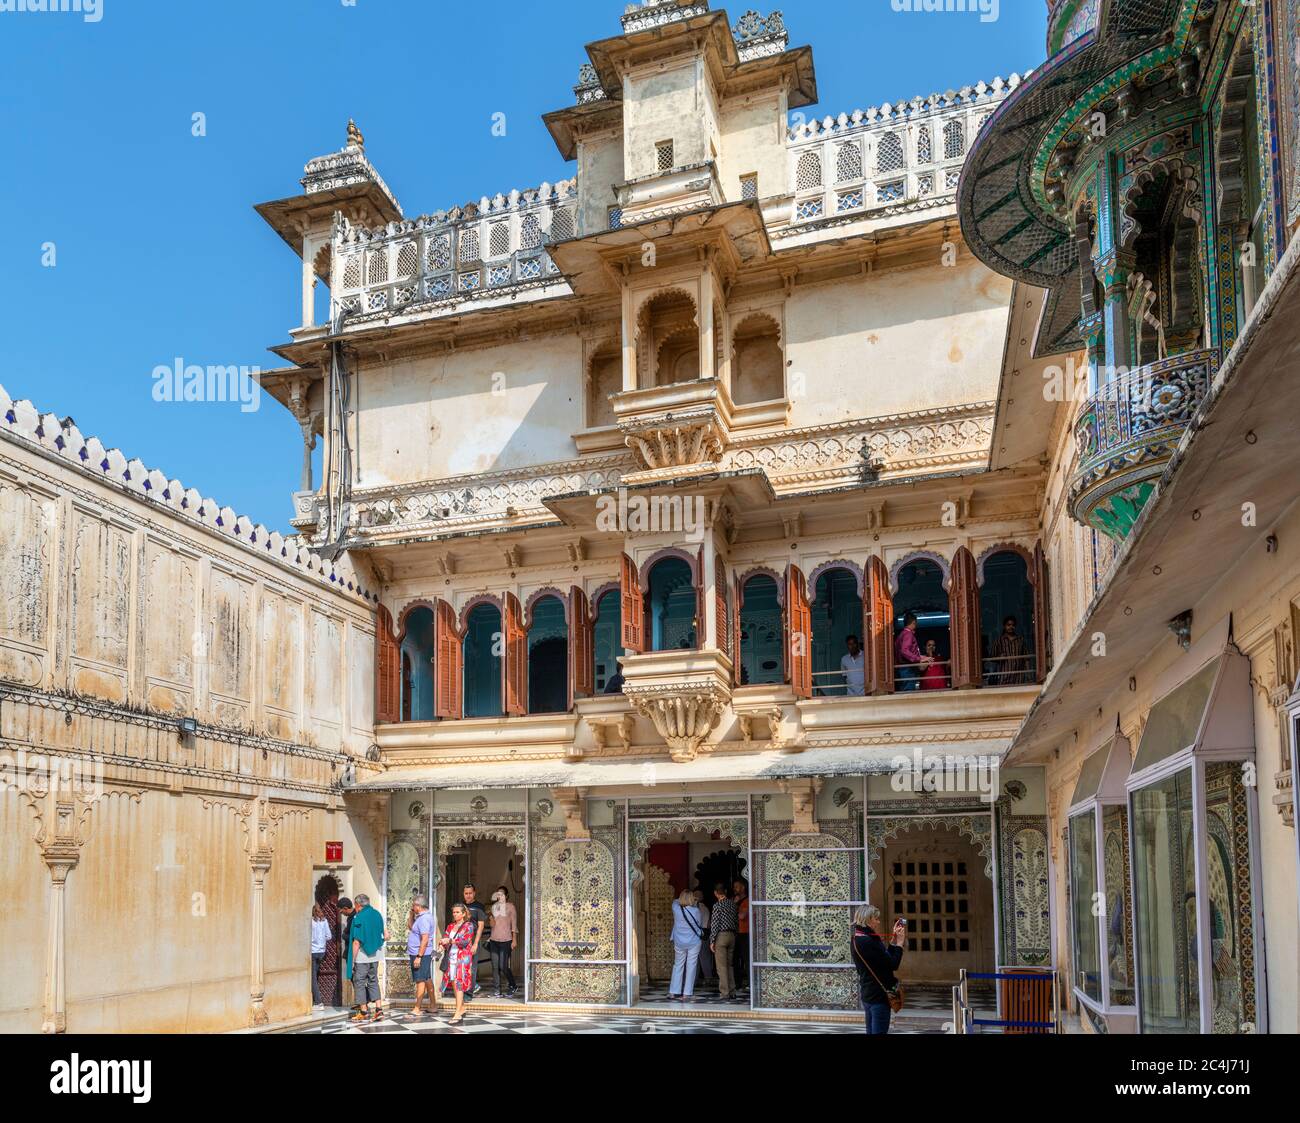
pixel 605 646
pixel 921 591
pixel 1007 594
pixel 417 666
pixel 761 654
pixel 670 604
pixel 548 658
pixel 836 615
pixel 484 646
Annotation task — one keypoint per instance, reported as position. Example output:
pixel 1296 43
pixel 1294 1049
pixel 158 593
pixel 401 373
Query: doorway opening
pixel 488 864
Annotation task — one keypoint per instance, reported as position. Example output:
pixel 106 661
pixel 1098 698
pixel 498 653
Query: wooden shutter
pixel 964 614
pixel 1038 575
pixel 633 606
pixel 878 608
pixel 449 657
pixel 736 676
pixel 388 670
pixel 700 618
pixel 722 606
pixel 514 672
pixel 582 671
pixel 798 633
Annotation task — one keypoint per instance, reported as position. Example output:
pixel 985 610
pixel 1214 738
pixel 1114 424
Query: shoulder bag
pixel 895 994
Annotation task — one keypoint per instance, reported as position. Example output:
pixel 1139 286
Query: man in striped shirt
pixel 723 925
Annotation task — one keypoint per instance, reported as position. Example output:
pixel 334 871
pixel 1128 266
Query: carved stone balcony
pixel 680 429
pixel 673 191
pixel 1126 434
pixel 682 693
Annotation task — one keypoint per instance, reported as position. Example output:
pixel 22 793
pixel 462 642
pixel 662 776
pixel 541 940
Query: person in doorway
pixel 708 969
pixel 481 919
pixel 854 666
pixel 367 942
pixel 686 934
pixel 615 683
pixel 740 891
pixel 419 946
pixel 346 910
pixel 723 925
pixel 909 663
pixel 877 963
pixel 934 677
pixel 458 964
pixel 501 942
pixel 1010 657
pixel 320 937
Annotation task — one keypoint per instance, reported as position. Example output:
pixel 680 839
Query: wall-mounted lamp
pixel 187 728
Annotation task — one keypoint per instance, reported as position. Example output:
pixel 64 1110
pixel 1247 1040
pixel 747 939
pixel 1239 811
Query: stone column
pixel 260 865
pixel 61 860
pixel 1114 272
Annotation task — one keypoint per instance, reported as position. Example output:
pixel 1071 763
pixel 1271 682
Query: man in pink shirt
pixel 908 660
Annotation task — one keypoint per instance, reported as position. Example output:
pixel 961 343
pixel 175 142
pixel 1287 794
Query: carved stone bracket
pixel 684 717
pixel 603 727
pixel 772 717
pixel 573 805
pixel 677 442
pixel 804 793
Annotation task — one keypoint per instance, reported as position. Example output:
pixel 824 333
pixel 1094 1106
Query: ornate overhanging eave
pixel 1003 201
pixel 369 202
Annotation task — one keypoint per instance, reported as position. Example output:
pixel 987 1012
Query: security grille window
pixel 935 898
pixel 848 163
pixel 924 146
pixel 469 244
pixel 377 267
pixel 809 172
pixel 615 217
pixel 749 187
pixel 664 156
pixel 954 140
pixel 889 153
pixel 439 253
pixel 562 225
pixel 408 260
pixel 530 235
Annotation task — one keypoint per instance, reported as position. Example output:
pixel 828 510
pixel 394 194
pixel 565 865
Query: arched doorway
pixel 483 652
pixel 671 603
pixel 487 858
pixel 417 664
pixel 919 592
pixel 836 611
pixel 666 858
pixel 762 658
pixel 1007 625
pixel 548 657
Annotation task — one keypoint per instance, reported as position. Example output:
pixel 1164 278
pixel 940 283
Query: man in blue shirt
pixel 419 945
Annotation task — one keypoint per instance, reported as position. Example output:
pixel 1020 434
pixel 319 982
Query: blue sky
pixel 159 254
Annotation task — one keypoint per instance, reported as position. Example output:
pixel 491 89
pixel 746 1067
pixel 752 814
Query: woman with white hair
pixel 686 936
pixel 876 962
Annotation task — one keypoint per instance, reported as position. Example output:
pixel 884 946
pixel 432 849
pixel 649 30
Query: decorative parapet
pixel 906 155
pixel 1126 434
pixel 439 261
pixel 659 13
pixel 20 421
pixel 805 459
pixel 589 88
pixel 760 36
pixel 345 168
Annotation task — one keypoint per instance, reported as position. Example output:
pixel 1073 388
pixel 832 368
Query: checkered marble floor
pixel 529 1021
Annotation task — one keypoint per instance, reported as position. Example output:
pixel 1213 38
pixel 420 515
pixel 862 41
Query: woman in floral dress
pixel 459 942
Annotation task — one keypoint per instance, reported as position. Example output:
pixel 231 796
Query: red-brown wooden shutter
pixel 700 617
pixel 964 612
pixel 798 647
pixel 721 607
pixel 1038 575
pixel 582 671
pixel 388 670
pixel 514 674
pixel 633 608
pixel 449 676
pixel 879 627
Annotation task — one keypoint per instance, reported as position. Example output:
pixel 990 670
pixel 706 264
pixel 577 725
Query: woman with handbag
pixel 876 961
pixel 686 936
pixel 458 958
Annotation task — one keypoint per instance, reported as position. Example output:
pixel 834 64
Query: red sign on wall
pixel 333 852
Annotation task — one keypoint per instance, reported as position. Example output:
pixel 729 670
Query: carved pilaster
pixel 573 804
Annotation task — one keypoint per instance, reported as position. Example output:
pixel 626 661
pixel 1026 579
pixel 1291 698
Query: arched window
pixel 667 340
pixel 417 665
pixel 848 162
pixel 836 625
pixel 758 364
pixel 762 658
pixel 530 234
pixel 809 172
pixel 671 604
pixel 889 153
pixel 605 646
pixel 922 661
pixel 954 140
pixel 484 650
pixel 1007 624
pixel 604 377
pixel 548 657
pixel 924 147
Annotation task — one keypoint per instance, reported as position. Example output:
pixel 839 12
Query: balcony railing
pixel 448 258
pixel 895 156
pixel 1126 434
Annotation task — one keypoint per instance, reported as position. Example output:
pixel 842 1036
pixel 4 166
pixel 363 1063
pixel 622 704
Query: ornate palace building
pixel 616 475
